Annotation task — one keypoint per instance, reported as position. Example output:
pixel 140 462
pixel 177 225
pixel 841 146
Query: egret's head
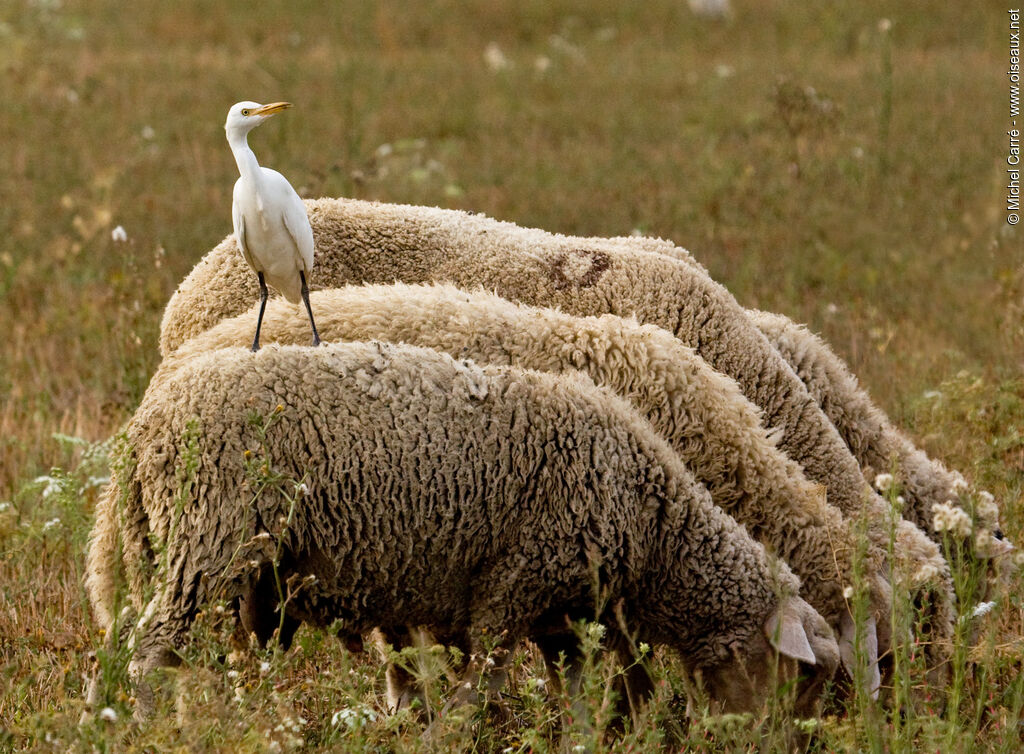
pixel 245 116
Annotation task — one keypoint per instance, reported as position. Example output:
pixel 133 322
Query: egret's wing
pixel 238 221
pixel 297 222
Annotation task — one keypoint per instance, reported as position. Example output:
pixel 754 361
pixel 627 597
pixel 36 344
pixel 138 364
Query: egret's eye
pixel 245 111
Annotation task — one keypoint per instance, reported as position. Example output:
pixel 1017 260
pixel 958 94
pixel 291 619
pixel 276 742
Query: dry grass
pixel 871 208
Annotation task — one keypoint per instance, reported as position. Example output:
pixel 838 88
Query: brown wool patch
pixel 579 267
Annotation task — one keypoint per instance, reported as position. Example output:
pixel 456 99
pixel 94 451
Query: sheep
pixel 874 441
pixel 483 501
pixel 362 241
pixel 705 418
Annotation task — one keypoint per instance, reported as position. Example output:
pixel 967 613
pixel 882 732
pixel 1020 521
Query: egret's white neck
pixel 245 158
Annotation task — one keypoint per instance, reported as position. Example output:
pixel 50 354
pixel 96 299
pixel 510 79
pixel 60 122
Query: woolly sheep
pixel 362 241
pixel 874 441
pixel 716 432
pixel 481 501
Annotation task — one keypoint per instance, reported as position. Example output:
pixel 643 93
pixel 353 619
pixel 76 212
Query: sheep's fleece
pixel 478 500
pixel 705 418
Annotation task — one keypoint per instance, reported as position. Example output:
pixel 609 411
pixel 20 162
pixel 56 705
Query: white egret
pixel 271 225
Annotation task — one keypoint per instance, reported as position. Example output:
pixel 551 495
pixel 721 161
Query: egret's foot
pixel 316 340
pixel 255 347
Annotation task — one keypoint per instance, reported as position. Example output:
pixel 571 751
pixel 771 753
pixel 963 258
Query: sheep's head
pixel 794 643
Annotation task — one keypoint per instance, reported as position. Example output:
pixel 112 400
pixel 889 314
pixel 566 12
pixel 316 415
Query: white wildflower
pixel 951 518
pixel 831 308
pixel 264 668
pixel 109 714
pixel 960 486
pixel 52 487
pixel 644 648
pixel 848 592
pixel 118 235
pixel 884 482
pixel 274 747
pixel 148 133
pixel 714 9
pixel 884 25
pixel 53 522
pixel 233 675
pixel 924 574
pixel 97 481
pixel 983 608
pixel 541 64
pixel 986 508
pixel 495 58
pixel 4 507
pixel 353 717
pixel 301 490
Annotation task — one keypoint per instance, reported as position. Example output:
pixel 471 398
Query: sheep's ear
pixel 847 641
pixel 785 631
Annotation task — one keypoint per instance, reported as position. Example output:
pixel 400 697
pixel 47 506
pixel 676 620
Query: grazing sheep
pixel 484 502
pixel 371 242
pixel 716 432
pixel 876 444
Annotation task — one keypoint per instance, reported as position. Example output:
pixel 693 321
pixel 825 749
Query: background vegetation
pixel 841 163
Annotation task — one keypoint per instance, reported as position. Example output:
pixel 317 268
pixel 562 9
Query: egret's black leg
pixel 263 306
pixel 309 309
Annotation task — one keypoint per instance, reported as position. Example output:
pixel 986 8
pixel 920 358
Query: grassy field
pixel 820 162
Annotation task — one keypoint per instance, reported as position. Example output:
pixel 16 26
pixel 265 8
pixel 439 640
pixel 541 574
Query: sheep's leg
pixel 309 309
pixel 402 686
pixel 633 687
pixel 117 634
pixel 257 612
pixel 161 628
pixel 485 671
pixel 263 305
